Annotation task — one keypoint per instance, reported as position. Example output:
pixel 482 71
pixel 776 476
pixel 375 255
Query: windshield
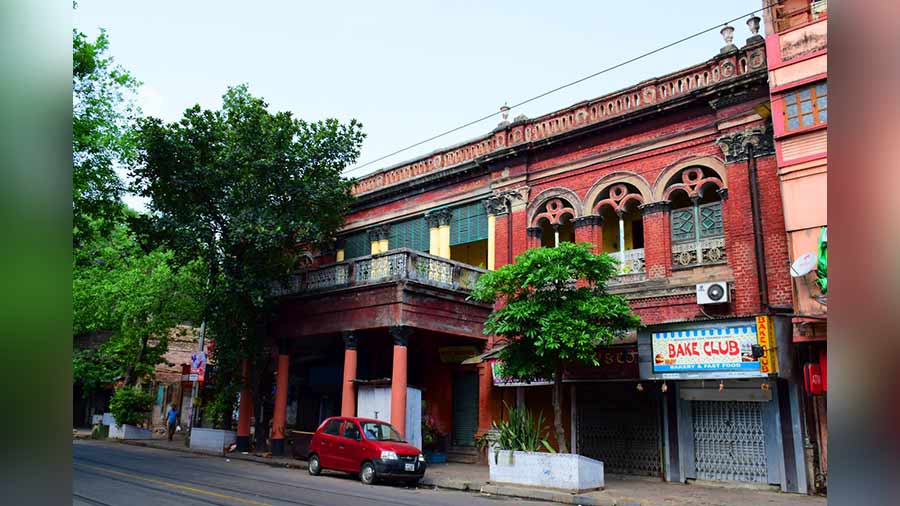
pixel 376 431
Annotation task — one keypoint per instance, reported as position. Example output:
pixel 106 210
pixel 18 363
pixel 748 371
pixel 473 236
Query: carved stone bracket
pixel 350 340
pixel 401 334
pixel 496 205
pixel 379 232
pixel 534 232
pixel 439 217
pixel 723 193
pixel 593 220
pixel 735 146
pixel 660 206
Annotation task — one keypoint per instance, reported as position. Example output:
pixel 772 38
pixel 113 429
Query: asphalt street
pixel 113 474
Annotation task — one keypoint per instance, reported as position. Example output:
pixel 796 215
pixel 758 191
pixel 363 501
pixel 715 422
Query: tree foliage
pixel 247 190
pixel 136 296
pixel 102 114
pixel 130 405
pixel 556 312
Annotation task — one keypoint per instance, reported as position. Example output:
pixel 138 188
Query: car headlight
pixel 421 458
pixel 388 455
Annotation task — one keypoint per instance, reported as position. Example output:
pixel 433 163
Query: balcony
pixel 394 265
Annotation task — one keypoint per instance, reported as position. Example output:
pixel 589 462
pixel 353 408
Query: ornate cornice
pixel 736 146
pixel 592 220
pixel 438 217
pixel 379 232
pixel 660 206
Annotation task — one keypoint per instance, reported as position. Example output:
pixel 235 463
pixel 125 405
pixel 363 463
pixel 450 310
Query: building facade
pixel 676 177
pixel 797 56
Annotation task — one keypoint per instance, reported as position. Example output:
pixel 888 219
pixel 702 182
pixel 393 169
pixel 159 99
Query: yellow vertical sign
pixel 765 335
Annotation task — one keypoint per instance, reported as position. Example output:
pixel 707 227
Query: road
pixel 113 474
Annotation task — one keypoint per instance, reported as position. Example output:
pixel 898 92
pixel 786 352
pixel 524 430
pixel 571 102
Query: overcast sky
pixel 406 69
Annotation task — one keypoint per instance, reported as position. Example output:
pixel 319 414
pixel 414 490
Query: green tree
pixel 102 114
pixel 138 297
pixel 555 313
pixel 247 190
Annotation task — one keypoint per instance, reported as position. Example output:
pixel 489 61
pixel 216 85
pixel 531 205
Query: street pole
pixel 195 388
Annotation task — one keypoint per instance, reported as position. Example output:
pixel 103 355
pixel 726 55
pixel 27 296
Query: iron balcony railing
pixel 394 265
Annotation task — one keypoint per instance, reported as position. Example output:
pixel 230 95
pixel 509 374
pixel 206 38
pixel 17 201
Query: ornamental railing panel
pixel 394 265
pixel 632 262
pixel 703 252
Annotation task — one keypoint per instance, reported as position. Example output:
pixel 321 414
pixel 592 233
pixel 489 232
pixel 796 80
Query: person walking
pixel 171 420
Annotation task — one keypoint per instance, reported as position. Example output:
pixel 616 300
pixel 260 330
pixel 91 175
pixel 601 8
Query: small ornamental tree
pixel 130 405
pixel 555 313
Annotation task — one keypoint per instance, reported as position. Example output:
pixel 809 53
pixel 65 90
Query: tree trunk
pixel 557 411
pixel 140 356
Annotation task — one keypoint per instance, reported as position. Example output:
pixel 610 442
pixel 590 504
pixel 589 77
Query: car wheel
pixel 367 473
pixel 315 467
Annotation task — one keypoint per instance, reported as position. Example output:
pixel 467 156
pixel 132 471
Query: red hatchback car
pixel 369 447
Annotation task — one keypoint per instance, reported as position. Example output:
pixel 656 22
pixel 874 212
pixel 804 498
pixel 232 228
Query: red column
pixel 586 230
pixel 485 391
pixel 245 411
pixel 348 393
pixel 398 378
pixel 279 418
pixel 657 239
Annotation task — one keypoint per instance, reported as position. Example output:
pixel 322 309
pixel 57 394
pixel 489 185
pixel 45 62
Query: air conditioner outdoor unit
pixel 713 293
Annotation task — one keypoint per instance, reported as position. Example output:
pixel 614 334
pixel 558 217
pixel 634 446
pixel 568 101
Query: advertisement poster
pixel 615 363
pixel 703 350
pixel 198 366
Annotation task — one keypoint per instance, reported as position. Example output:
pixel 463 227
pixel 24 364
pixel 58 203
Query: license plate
pixel 409 467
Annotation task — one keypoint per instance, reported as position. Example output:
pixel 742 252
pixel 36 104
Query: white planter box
pixel 212 440
pixel 563 471
pixel 129 432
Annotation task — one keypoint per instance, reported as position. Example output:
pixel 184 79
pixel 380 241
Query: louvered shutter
pixel 357 245
pixel 411 234
pixel 469 224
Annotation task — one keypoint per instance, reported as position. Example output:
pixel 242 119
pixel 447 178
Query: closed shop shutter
pixel 469 224
pixel 465 408
pixel 357 245
pixel 619 426
pixel 411 234
pixel 729 441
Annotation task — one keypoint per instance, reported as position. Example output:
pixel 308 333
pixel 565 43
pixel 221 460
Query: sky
pixel 406 69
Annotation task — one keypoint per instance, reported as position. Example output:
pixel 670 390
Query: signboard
pixel 198 366
pixel 765 334
pixel 616 363
pixel 456 354
pixel 503 381
pixel 705 350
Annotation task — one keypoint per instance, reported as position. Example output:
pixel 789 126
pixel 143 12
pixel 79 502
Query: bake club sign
pixel 717 349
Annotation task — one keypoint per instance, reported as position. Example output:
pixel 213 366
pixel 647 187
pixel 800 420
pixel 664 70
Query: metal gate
pixel 729 441
pixel 619 426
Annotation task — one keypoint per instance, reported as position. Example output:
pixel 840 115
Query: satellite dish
pixel 804 265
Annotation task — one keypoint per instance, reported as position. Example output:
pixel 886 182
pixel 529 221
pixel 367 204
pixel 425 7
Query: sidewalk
pixel 620 491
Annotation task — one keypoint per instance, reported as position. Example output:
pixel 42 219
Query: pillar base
pixel 243 444
pixel 278 447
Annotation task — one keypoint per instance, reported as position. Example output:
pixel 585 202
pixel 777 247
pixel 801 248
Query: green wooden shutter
pixel 469 224
pixel 411 234
pixel 357 245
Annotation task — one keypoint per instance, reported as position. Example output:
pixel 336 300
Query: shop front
pixel 730 413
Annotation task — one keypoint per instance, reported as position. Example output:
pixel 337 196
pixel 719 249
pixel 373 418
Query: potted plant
pixel 433 440
pixel 130 406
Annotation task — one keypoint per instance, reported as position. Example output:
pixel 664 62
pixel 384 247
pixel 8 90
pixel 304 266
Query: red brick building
pixel 675 176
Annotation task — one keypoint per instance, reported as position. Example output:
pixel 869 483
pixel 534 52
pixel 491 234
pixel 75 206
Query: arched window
pixel 555 220
pixel 698 232
pixel 623 226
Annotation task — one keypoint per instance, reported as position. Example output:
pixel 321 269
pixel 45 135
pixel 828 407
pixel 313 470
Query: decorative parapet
pixel 736 146
pixel 643 95
pixel 394 265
